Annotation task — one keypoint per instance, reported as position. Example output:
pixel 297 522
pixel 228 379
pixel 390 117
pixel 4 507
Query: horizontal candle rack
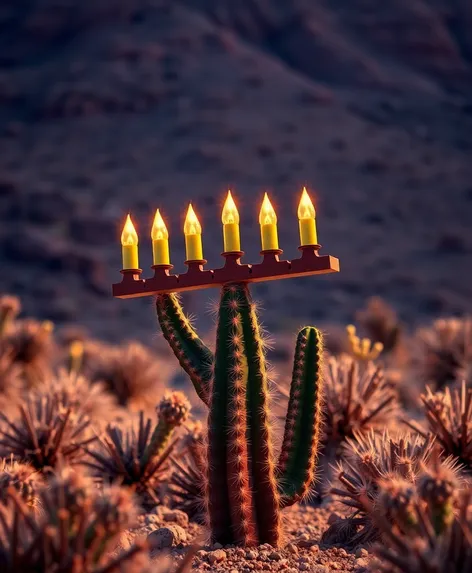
pixel 233 271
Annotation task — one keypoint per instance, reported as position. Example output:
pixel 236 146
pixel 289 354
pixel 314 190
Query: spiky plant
pixel 186 485
pixel 370 460
pixel 246 488
pixel 76 392
pixel 357 400
pixel 381 323
pixel 10 308
pixel 449 420
pixel 10 380
pixel 130 372
pixel 446 352
pixel 30 345
pixel 76 531
pixel 44 432
pixel 426 550
pixel 23 477
pixel 137 455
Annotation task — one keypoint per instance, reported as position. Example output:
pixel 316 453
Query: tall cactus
pixel 246 487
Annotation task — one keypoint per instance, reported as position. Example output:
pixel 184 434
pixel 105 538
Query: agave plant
pixel 373 459
pixel 423 549
pixel 187 481
pixel 44 433
pixel 130 372
pixel 357 400
pixel 137 455
pixel 449 420
pixel 447 352
pixel 77 530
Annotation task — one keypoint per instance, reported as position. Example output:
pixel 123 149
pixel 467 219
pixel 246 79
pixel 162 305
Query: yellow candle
pixel 160 241
pixel 129 245
pixel 307 220
pixel 230 219
pixel 193 236
pixel 268 223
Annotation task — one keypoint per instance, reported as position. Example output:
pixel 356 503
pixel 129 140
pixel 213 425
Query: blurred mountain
pixel 115 105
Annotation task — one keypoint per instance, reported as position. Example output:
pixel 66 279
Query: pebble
pixel 177 516
pixel 216 556
pixel 166 537
pixel 361 552
pixel 251 555
pixel 292 548
pixel 275 556
pixel 362 562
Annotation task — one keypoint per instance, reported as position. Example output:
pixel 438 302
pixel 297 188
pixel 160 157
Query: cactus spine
pixel 246 487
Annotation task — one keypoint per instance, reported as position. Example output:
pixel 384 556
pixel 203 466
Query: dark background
pixel 115 105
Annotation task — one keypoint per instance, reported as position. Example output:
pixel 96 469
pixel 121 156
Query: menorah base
pixel 271 268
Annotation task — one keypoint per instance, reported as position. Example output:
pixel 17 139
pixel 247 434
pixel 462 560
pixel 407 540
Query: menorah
pixel 233 271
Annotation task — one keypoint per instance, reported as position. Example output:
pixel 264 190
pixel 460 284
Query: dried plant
pixel 44 432
pixel 75 532
pixel 23 477
pixel 187 481
pixel 424 549
pixel 357 399
pixel 130 372
pixel 76 392
pixel 370 460
pixel 10 308
pixel 447 352
pixel 137 455
pixel 30 346
pixel 449 420
pixel 381 323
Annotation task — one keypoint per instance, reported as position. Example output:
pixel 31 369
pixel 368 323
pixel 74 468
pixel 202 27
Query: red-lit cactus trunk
pixel 246 488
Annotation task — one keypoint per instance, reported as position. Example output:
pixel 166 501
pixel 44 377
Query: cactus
pixel 246 488
pixel 362 349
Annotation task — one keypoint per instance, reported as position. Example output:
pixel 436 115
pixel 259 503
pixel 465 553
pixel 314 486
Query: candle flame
pixel 230 212
pixel 129 235
pixel 306 209
pixel 192 224
pixel 267 214
pixel 159 230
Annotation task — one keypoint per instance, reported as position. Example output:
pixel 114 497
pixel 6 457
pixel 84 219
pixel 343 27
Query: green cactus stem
pixel 193 355
pixel 246 488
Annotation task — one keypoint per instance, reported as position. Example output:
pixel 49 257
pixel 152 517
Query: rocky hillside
pixel 115 105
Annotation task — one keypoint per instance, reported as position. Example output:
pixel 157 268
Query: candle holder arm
pixel 193 355
pixel 298 456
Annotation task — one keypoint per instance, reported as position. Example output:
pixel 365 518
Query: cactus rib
pixel 297 459
pixel 193 355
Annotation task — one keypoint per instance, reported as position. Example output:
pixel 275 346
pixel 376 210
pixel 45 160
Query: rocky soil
pixel 169 530
pixel 115 105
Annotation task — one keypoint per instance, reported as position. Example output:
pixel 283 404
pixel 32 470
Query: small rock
pixel 275 556
pixel 320 569
pixel 250 555
pixel 314 549
pixel 216 556
pixel 166 537
pixel 292 548
pixel 361 552
pixel 177 516
pixel 217 546
pixel 362 562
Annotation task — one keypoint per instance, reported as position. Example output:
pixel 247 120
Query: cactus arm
pixel 297 461
pixel 265 494
pixel 231 373
pixel 193 355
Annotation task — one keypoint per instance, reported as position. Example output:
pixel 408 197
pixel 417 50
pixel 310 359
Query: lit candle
pixel 129 245
pixel 230 219
pixel 307 220
pixel 268 223
pixel 193 236
pixel 160 241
